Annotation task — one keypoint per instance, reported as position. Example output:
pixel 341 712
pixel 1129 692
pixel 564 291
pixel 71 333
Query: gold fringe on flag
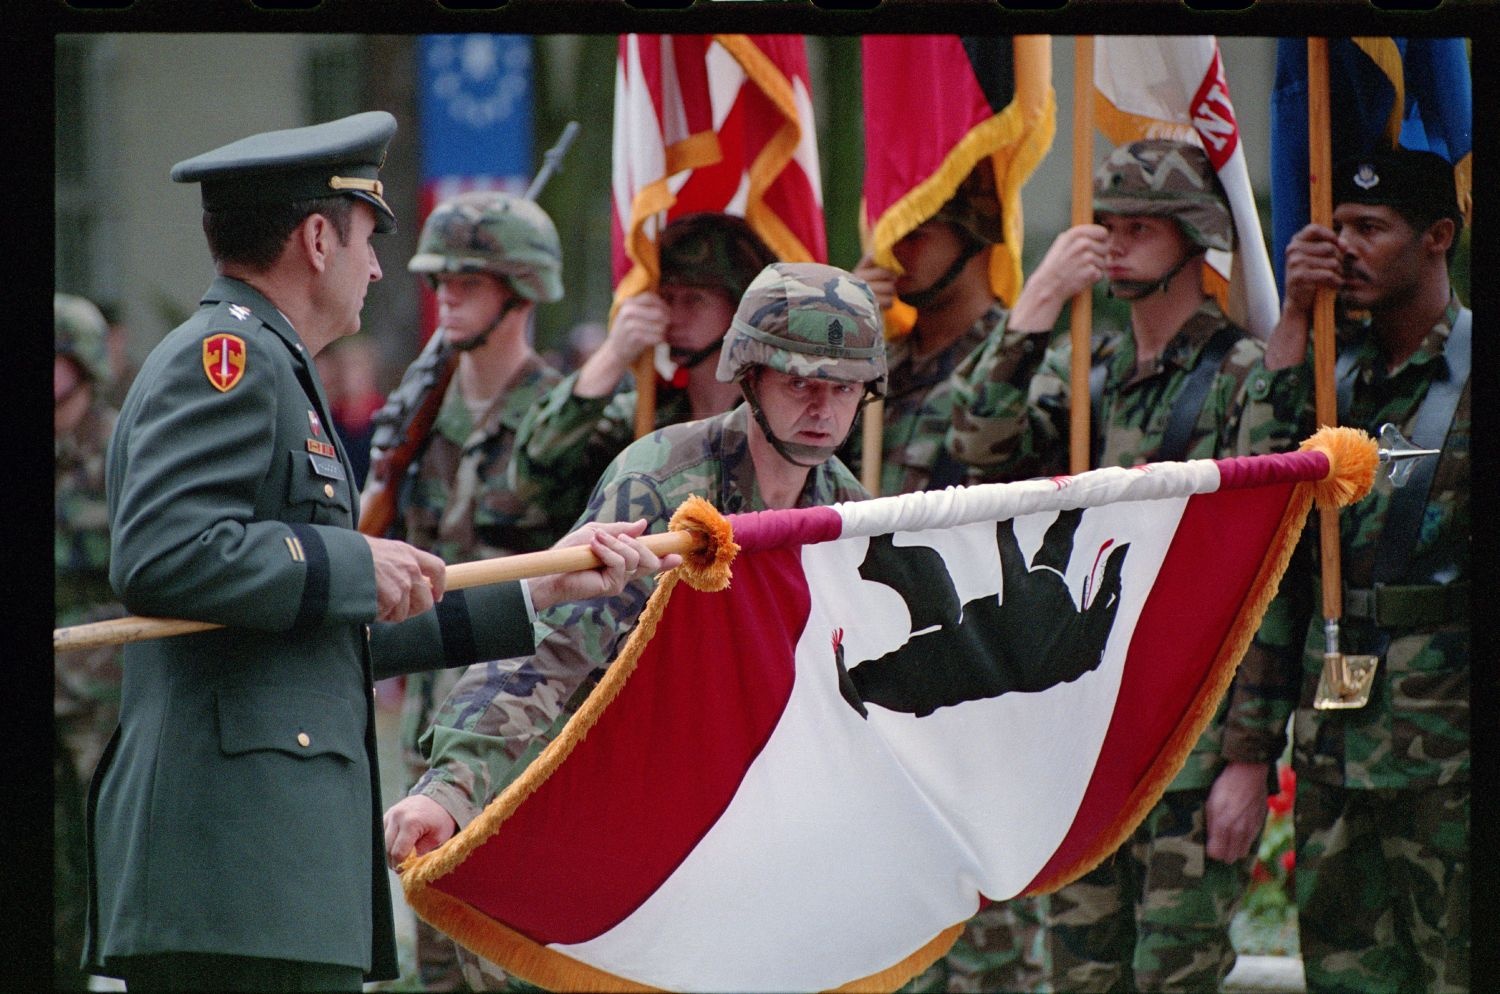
pixel 1015 140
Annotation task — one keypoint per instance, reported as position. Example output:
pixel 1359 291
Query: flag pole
pixel 872 442
pixel 1346 680
pixel 568 559
pixel 645 393
pixel 1083 213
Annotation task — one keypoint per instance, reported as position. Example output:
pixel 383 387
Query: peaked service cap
pixel 279 167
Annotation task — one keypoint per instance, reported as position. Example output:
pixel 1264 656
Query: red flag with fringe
pixel 788 782
pixel 935 107
pixel 713 123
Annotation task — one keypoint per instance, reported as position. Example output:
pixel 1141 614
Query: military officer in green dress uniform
pixel 234 820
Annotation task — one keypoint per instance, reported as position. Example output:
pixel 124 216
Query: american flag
pixel 713 123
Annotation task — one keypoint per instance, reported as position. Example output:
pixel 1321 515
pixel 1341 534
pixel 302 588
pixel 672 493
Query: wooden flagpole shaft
pixel 872 444
pixel 645 394
pixel 1081 331
pixel 1325 405
pixel 569 559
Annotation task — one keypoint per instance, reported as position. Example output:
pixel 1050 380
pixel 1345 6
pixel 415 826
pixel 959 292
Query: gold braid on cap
pixel 355 183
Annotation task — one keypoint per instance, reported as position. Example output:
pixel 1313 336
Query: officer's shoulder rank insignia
pixel 224 360
pixel 240 311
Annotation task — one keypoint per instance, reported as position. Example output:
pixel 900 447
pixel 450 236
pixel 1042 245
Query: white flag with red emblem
pixel 713 123
pixel 788 782
pixel 1150 86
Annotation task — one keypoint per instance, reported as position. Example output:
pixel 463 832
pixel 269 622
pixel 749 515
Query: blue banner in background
pixel 475 105
pixel 1432 77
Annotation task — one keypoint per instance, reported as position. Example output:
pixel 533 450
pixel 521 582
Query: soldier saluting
pixel 234 818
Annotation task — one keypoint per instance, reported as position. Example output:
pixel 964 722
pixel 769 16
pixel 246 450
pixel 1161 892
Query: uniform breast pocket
pixel 319 491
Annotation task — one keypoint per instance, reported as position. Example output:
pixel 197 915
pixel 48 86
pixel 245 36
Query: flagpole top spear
pixel 1399 454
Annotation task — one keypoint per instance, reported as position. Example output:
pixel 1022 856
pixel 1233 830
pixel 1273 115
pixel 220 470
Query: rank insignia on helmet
pixel 224 360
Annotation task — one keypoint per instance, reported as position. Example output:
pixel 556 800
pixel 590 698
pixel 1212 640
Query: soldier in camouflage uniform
pixel 1382 805
pixel 490 257
pixel 945 262
pixel 805 349
pixel 706 260
pixel 1155 916
pixel 86 682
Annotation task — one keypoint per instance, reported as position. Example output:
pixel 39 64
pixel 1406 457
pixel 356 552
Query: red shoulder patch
pixel 224 358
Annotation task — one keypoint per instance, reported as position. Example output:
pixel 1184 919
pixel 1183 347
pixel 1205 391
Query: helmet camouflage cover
pixel 807 319
pixel 79 332
pixel 716 251
pixel 491 232
pixel 1167 178
pixel 975 206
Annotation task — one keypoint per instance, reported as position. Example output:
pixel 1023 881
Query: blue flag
pixel 1367 77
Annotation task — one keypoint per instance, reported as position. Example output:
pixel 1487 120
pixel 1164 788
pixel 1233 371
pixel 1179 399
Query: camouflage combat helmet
pixel 492 232
pixel 1166 178
pixel 79 333
pixel 974 207
pixel 716 251
pixel 807 319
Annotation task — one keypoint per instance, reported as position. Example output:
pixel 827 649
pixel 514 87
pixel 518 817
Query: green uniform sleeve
pixel 488 622
pixel 1010 406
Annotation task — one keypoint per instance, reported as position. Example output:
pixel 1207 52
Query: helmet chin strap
pixel 682 361
pixel 924 298
pixel 469 344
pixel 793 452
pixel 1133 290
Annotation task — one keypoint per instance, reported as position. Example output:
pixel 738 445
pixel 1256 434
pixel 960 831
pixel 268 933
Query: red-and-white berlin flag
pixel 1152 86
pixel 713 123
pixel 792 784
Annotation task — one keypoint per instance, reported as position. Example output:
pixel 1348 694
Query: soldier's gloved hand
pixel 621 556
pixel 415 824
pixel 408 581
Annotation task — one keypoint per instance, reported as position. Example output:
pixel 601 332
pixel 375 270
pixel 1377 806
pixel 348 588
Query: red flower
pixel 1280 803
pixel 1260 873
pixel 1289 860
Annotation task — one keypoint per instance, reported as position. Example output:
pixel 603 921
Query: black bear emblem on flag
pixel 1032 639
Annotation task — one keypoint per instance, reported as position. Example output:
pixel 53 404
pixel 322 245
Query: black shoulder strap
pixel 1189 403
pixel 1403 518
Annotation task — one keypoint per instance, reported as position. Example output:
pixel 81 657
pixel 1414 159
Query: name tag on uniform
pixel 330 469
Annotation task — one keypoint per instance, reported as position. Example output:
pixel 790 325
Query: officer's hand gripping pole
pixel 703 538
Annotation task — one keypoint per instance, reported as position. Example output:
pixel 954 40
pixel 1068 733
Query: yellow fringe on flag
pixel 1352 459
pixel 1015 140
